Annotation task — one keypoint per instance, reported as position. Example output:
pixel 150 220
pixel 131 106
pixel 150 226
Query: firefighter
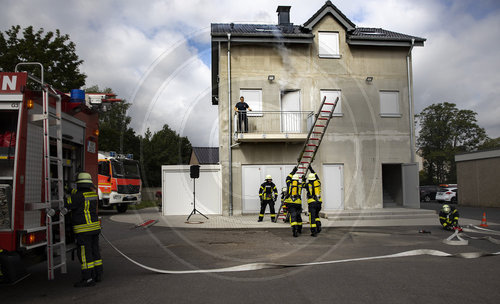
pixel 294 201
pixel 82 205
pixel 268 195
pixel 283 204
pixel 448 216
pixel 313 188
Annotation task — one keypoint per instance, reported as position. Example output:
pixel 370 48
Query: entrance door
pixel 333 187
pixel 410 185
pixel 291 121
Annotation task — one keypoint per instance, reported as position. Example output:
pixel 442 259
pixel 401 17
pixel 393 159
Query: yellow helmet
pixel 84 177
pixel 311 176
pixel 268 177
pixel 295 177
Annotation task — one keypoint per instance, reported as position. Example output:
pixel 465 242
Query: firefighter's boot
pixel 295 231
pixel 299 229
pixel 261 217
pixel 314 232
pixel 318 226
pixel 273 218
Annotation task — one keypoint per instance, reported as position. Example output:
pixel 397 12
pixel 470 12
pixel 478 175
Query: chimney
pixel 283 15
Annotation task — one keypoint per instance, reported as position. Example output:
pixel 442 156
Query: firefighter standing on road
pixel 448 216
pixel 294 201
pixel 313 188
pixel 83 207
pixel 268 195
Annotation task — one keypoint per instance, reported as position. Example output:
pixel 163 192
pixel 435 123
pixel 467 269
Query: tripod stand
pixel 194 202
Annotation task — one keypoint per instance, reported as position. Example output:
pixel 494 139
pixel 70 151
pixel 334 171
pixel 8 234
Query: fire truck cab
pixel 119 181
pixel 45 140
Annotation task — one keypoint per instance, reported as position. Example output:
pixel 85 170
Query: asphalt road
pixel 417 279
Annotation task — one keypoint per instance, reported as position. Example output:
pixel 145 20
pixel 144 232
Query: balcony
pixel 277 126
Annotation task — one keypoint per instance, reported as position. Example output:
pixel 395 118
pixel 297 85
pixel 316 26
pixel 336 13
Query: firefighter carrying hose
pixel 313 188
pixel 82 205
pixel 294 202
pixel 448 217
pixel 268 195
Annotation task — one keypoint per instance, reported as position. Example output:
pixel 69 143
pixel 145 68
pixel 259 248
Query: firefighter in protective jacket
pixel 313 188
pixel 82 205
pixel 448 217
pixel 294 201
pixel 268 195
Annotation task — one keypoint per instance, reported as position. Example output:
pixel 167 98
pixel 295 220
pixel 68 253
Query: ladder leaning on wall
pixel 314 138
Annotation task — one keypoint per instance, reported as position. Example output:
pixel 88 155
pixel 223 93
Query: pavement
pixel 386 217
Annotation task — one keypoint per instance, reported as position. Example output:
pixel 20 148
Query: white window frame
pixel 331 95
pixel 328 45
pixel 253 97
pixel 389 103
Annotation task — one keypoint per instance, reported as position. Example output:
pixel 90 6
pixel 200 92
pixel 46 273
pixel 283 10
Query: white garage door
pixel 253 176
pixel 177 190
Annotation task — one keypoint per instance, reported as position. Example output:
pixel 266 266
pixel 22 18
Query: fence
pixel 268 122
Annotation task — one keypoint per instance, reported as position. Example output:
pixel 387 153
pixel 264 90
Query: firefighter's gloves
pixel 311 169
pixel 294 170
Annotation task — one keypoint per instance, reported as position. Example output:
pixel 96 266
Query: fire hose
pixel 258 266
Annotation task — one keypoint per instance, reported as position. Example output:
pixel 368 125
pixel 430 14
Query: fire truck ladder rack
pixel 53 186
pixel 314 138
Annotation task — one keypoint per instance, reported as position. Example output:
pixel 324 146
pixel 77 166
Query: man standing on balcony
pixel 241 107
pixel 268 195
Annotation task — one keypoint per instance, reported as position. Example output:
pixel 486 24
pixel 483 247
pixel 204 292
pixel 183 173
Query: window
pixel 254 99
pixel 328 45
pixel 331 96
pixel 389 104
pixel 103 168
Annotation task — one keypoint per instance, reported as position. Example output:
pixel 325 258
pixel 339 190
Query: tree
pixel 164 147
pixel 53 50
pixel 445 131
pixel 490 143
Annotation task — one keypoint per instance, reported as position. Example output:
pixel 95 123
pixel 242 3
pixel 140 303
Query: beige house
pixel 366 159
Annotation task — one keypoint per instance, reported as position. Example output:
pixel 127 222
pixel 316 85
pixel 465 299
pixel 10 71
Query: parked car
pixel 447 194
pixel 428 193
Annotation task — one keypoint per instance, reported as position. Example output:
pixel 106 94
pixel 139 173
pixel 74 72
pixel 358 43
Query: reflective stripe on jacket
pixel 83 205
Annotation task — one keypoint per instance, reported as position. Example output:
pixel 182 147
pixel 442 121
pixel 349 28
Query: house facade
pixel 366 159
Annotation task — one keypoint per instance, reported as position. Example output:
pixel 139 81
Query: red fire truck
pixel 45 140
pixel 119 181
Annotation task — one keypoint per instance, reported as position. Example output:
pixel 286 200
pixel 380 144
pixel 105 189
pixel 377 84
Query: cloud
pixel 154 53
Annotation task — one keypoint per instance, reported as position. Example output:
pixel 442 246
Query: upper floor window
pixel 331 96
pixel 389 104
pixel 328 44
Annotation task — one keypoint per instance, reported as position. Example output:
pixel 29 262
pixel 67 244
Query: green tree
pixel 53 50
pixel 490 143
pixel 114 131
pixel 164 147
pixel 445 131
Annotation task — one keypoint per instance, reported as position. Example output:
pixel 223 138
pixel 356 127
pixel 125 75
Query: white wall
pixel 177 190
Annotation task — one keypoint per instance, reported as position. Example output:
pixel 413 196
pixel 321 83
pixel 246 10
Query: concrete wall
pixel 478 182
pixel 360 139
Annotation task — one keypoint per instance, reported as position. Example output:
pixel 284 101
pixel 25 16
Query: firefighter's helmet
pixel 295 177
pixel 269 177
pixel 446 209
pixel 311 176
pixel 84 178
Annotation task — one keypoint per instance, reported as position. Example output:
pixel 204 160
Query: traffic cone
pixel 483 221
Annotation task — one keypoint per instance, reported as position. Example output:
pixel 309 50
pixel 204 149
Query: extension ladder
pixel 52 181
pixel 314 138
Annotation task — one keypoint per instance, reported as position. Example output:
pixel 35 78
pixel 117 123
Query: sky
pixel 156 54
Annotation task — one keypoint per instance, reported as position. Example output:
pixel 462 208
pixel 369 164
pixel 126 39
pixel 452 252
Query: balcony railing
pixel 273 125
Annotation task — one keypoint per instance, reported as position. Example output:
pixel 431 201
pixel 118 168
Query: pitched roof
pixel 289 33
pixel 206 155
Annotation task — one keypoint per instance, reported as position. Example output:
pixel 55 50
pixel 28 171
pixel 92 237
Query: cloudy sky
pixel 156 53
